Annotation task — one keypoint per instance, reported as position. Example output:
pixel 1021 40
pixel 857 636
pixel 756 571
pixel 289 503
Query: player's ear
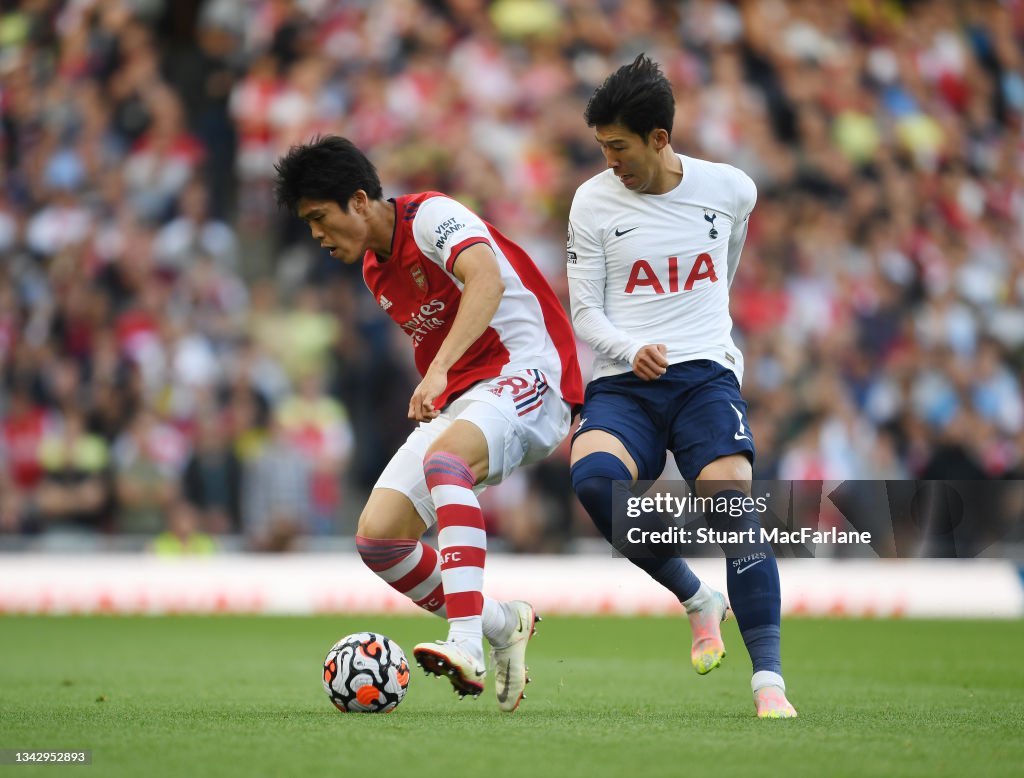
pixel 660 138
pixel 357 202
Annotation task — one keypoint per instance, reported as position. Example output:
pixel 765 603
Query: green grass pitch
pixel 611 697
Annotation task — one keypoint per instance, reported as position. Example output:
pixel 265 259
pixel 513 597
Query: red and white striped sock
pixel 407 566
pixel 462 542
pixel 401 563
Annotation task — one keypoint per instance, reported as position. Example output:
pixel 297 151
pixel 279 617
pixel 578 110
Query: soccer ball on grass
pixel 366 673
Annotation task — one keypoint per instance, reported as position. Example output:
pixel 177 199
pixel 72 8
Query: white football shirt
pixel 649 268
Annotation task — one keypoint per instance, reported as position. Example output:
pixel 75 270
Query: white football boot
pixel 509 658
pixel 446 659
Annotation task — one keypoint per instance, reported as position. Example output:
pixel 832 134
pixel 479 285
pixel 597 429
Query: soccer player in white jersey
pixel 654 243
pixel 500 377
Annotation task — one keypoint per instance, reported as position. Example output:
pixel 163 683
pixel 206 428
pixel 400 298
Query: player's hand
pixel 651 361
pixel 421 405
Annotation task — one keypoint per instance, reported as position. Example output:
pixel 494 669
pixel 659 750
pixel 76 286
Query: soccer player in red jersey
pixel 500 378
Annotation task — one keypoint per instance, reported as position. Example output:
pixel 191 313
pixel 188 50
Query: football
pixel 366 673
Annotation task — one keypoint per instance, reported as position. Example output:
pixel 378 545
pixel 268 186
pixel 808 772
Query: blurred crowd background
pixel 183 368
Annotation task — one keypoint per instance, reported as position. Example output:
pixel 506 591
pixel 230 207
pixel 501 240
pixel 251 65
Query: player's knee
pixel 600 442
pixel 592 478
pixel 463 448
pixel 375 526
pixel 389 514
pixel 726 474
pixel 443 467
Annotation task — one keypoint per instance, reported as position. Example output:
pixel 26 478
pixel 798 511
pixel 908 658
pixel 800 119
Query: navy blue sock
pixel 752 575
pixel 593 480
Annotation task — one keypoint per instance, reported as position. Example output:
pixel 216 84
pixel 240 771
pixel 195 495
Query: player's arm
pixel 586 299
pixel 587 271
pixel 746 197
pixel 477 268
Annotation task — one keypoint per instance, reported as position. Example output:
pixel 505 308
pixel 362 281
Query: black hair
pixel 327 168
pixel 637 96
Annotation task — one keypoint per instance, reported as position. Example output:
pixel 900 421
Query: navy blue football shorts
pixel 694 410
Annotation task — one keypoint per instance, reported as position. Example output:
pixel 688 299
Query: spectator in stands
pixel 183 536
pixel 194 232
pixel 887 247
pixel 317 425
pixel 212 480
pixel 74 492
pixel 276 506
pixel 147 461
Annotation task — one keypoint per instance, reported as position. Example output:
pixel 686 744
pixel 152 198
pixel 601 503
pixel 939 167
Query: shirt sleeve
pixel 584 248
pixel 586 300
pixel 746 197
pixel 586 269
pixel 443 228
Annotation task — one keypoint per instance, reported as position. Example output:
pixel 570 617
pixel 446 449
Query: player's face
pixel 636 162
pixel 344 233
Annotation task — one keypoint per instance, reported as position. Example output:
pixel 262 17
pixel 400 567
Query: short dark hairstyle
pixel 637 96
pixel 327 168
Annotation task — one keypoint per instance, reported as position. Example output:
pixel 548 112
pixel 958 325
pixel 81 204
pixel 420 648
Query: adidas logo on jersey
pixel 385 303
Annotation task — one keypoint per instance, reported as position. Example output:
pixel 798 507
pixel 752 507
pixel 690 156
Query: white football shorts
pixel 522 417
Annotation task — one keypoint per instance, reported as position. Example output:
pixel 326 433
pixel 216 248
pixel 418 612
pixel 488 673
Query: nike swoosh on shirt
pixel 619 234
pixel 740 570
pixel 503 692
pixel 737 436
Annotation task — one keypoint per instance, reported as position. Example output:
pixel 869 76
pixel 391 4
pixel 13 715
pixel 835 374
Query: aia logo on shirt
pixel 645 279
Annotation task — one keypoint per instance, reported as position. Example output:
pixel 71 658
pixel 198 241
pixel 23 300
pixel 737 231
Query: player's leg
pixel 388 540
pixel 713 444
pixel 542 420
pixel 752 576
pixel 452 466
pixel 601 464
pixel 498 425
pixel 396 515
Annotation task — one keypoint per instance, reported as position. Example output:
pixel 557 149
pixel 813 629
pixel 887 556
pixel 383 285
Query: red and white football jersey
pixel 416 287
